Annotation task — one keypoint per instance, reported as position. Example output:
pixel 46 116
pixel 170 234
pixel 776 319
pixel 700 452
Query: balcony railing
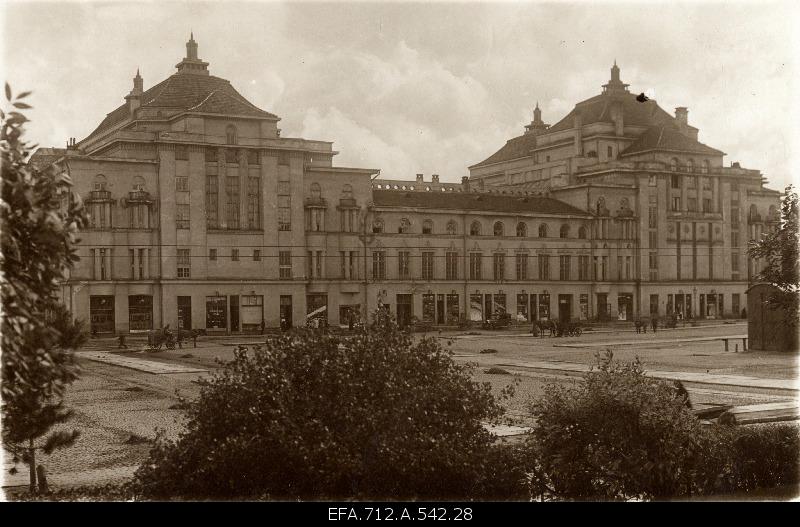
pixel 99 195
pixel 139 196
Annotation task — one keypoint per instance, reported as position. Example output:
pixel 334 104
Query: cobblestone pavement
pixel 118 408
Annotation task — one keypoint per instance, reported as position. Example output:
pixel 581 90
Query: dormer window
pixel 100 182
pixel 451 227
pixel 427 227
pixel 405 226
pixel 522 230
pixel 475 229
pixel 498 228
pixel 377 226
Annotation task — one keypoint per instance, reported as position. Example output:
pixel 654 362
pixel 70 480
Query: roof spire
pixel 191 63
pixel 615 85
pixel 537 126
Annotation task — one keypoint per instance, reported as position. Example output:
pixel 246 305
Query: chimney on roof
pixel 420 179
pixel 682 116
pixel 134 98
pixel 465 183
pixel 435 178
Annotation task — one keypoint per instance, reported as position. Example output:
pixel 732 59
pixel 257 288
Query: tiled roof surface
pixel 45 156
pixel 185 91
pixel 667 137
pixel 514 148
pixel 598 109
pixel 475 201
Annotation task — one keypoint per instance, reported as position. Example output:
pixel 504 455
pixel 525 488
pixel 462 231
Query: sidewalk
pixel 692 377
pixel 646 341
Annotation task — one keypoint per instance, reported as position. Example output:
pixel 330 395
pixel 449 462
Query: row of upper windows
pixel 675 164
pixel 475 229
pixel 100 183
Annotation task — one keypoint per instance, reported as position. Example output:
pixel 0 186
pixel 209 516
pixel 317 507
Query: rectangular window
pixel 132 256
pixel 212 203
pixel 451 261
pixel 211 155
pixel 184 263
pixel 320 260
pixel 499 266
pixel 404 265
pixel 284 206
pixel 142 263
pixel 235 255
pixel 379 265
pixel 653 181
pixel 563 267
pixel 254 203
pixel 544 267
pixel 628 267
pixel 475 266
pixel 181 153
pixel 734 238
pixel 256 255
pixel 691 204
pixel 652 218
pixel 182 184
pixel 707 205
pixel 182 216
pixel 285 265
pixel 652 238
pixel 103 267
pixel 734 217
pixel 252 157
pixel 583 267
pixel 676 203
pixel 734 262
pixel 353 265
pixel 212 254
pixel 427 266
pixel 232 201
pixel 676 181
pixel 653 260
pixel 522 266
pixel 230 156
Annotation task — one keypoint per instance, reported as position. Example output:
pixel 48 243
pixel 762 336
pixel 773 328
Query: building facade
pixel 202 216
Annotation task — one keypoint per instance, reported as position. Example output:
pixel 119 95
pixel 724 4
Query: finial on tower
pixel 615 85
pixel 191 63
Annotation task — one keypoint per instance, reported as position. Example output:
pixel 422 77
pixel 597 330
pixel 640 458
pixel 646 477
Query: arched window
pixel 230 135
pixel 138 183
pixel 690 165
pixel 100 182
pixel 705 166
pixel 564 231
pixel 315 190
pixel 377 226
pixel 405 226
pixel 347 192
pixel 475 229
pixel 582 232
pixel 451 227
pixel 543 230
pixel 427 227
pixel 753 212
pixel 498 229
pixel 522 229
pixel 673 164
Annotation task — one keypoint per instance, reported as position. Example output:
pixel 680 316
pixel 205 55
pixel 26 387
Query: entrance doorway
pixel 602 306
pixel 184 312
pixel 140 312
pixel 404 310
pixel 564 308
pixel 286 312
pixel 234 313
pixel 625 306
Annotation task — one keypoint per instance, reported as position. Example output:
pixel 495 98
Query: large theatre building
pixel 203 216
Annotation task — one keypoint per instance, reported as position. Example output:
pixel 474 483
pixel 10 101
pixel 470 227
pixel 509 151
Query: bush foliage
pixel 312 415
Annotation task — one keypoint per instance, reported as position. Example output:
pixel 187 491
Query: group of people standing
pixel 641 325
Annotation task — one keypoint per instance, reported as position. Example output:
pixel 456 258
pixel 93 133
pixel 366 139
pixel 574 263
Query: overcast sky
pixel 429 88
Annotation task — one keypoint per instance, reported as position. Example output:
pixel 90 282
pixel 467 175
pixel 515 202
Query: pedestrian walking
pixel 638 325
pixel 654 322
pixel 121 340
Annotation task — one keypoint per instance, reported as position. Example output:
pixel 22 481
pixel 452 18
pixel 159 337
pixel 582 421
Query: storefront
pixel 217 313
pixel 140 312
pixel 252 313
pixel 101 314
pixel 349 314
pixel 475 308
pixel 522 307
pixel 317 310
pixel 544 306
pixel 405 309
pixel 184 312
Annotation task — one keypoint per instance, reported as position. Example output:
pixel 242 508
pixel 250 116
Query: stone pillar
pixel 684 193
pixel 715 195
pixel 222 197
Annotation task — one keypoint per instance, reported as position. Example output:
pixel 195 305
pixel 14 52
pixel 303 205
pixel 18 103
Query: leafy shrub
pixel 745 458
pixel 618 435
pixel 313 415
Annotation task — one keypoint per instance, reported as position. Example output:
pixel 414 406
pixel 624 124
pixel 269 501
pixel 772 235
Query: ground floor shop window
pixel 101 314
pixel 216 312
pixel 405 309
pixel 522 307
pixel 317 310
pixel 453 314
pixel 564 308
pixel 252 313
pixel 286 312
pixel 603 307
pixel 429 308
pixel 584 307
pixel 544 306
pixel 476 308
pixel 140 312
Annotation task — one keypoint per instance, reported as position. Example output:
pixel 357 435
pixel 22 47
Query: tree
pixel 312 415
pixel 38 334
pixel 779 251
pixel 618 435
